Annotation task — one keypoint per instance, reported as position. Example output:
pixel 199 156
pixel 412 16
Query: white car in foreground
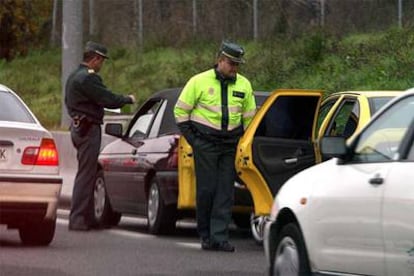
pixel 353 214
pixel 30 184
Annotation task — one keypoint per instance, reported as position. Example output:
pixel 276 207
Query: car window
pixel 289 117
pixel 345 120
pixel 13 110
pixel 381 140
pixel 142 123
pixel 375 103
pixel 156 128
pixel 323 112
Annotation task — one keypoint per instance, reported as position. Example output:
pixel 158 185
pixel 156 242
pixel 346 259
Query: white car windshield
pixel 382 139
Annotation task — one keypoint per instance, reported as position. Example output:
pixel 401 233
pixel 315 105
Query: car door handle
pixel 291 160
pixel 376 180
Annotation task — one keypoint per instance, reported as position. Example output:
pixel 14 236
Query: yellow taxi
pixel 283 138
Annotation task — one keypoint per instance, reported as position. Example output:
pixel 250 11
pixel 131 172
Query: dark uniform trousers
pixel 88 148
pixel 215 174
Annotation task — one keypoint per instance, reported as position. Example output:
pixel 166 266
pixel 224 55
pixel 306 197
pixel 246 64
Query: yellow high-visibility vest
pixel 201 101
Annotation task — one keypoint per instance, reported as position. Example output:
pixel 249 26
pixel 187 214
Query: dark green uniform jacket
pixel 85 94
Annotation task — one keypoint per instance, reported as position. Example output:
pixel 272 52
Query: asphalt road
pixel 127 250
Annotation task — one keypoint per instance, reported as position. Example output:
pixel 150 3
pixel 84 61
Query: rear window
pixel 12 110
pixel 377 103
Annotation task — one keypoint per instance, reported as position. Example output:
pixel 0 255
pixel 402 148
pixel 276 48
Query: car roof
pixel 370 93
pixel 3 87
pixel 168 94
pixel 6 89
pixel 409 91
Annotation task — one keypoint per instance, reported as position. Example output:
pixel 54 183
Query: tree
pixel 21 23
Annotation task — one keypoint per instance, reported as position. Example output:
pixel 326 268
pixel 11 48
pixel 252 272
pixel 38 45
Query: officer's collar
pixel 223 78
pixel 85 65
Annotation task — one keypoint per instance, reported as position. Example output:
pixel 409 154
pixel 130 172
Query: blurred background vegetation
pixel 316 59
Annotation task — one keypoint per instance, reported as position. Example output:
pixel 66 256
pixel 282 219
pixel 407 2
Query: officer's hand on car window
pixel 132 98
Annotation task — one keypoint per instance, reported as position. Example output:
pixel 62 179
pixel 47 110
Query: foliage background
pixel 292 57
pixel 23 24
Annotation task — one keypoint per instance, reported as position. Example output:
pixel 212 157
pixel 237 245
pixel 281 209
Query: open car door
pixel 279 142
pixel 186 176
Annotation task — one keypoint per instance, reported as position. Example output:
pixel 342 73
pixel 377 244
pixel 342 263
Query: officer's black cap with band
pixel 96 48
pixel 233 51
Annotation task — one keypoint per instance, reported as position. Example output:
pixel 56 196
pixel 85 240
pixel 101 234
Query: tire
pixel 103 214
pixel 257 228
pixel 290 255
pixel 161 217
pixel 38 233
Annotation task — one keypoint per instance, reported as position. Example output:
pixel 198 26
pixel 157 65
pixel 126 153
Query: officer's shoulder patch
pixel 91 71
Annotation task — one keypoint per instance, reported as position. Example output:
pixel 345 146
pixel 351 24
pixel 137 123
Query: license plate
pixel 3 154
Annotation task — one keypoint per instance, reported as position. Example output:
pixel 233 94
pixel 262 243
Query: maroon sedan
pixel 138 172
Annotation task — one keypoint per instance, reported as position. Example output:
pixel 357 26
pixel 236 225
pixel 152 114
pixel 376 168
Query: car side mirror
pixel 114 129
pixel 334 146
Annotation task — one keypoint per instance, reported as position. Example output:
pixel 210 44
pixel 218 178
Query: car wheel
pixel 38 233
pixel 104 215
pixel 161 217
pixel 257 224
pixel 290 256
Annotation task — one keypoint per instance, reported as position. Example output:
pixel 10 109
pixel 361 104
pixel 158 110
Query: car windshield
pixel 377 102
pixel 382 139
pixel 13 110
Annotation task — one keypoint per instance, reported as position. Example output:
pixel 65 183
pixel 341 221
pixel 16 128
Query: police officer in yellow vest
pixel 212 112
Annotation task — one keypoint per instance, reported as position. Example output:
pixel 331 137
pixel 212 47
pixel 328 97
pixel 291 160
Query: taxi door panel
pixel 397 221
pixel 278 143
pixel 282 144
pixel 278 159
pixel 124 177
pixel 186 176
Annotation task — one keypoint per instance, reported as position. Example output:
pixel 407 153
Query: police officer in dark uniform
pixel 86 97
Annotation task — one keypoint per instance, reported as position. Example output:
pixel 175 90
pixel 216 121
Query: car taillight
pixel 45 155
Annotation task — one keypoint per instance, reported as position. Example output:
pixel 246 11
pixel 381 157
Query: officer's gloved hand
pixel 132 98
pixel 188 132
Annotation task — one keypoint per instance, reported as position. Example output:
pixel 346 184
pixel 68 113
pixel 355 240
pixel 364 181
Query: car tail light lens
pixel 45 155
